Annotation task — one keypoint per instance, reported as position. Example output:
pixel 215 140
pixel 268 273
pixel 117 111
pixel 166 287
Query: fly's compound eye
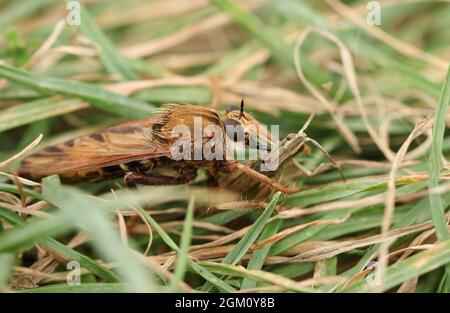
pixel 234 129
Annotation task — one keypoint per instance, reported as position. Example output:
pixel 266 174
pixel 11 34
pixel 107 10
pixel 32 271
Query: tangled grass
pixel 380 95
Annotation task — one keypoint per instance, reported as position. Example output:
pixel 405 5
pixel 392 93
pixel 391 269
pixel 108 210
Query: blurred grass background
pixel 380 93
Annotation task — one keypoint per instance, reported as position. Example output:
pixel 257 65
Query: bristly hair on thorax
pixel 173 114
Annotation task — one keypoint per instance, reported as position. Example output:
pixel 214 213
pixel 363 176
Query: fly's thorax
pixel 198 133
pixel 190 132
pixel 179 120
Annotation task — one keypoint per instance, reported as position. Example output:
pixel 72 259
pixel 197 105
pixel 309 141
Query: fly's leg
pixel 248 171
pixel 212 182
pixel 133 178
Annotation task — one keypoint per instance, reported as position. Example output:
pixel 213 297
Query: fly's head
pixel 244 129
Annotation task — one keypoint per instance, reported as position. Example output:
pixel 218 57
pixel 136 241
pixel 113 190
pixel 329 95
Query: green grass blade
pixel 89 215
pixel 14 189
pixel 305 234
pixel 272 39
pixel 63 250
pixel 19 9
pixel 409 268
pixel 437 209
pixel 6 264
pixel 91 288
pixel 256 262
pixel 95 95
pixel 33 111
pixel 200 270
pixel 330 266
pixel 183 254
pixel 267 35
pixel 24 236
pixel 240 271
pixel 241 248
pixel 114 62
pixel 436 205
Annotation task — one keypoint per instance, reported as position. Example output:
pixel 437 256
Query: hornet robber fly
pixel 140 151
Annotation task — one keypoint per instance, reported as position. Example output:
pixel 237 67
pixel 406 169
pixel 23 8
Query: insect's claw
pixel 128 180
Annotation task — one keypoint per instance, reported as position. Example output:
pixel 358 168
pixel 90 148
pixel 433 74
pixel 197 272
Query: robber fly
pixel 140 151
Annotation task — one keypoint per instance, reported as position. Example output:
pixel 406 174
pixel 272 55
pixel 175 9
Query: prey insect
pixel 290 146
pixel 140 151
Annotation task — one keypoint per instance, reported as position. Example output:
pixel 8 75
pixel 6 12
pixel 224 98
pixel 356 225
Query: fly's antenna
pixel 332 161
pixel 241 114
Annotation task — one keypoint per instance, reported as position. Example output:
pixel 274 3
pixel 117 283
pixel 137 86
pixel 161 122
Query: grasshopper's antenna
pixel 242 108
pixel 308 121
pixel 332 161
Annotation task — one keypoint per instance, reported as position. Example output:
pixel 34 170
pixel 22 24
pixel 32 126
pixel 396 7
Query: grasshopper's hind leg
pixel 263 179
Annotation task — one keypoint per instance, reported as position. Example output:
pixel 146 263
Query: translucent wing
pixel 119 144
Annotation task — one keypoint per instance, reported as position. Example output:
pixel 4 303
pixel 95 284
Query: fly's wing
pixel 119 144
